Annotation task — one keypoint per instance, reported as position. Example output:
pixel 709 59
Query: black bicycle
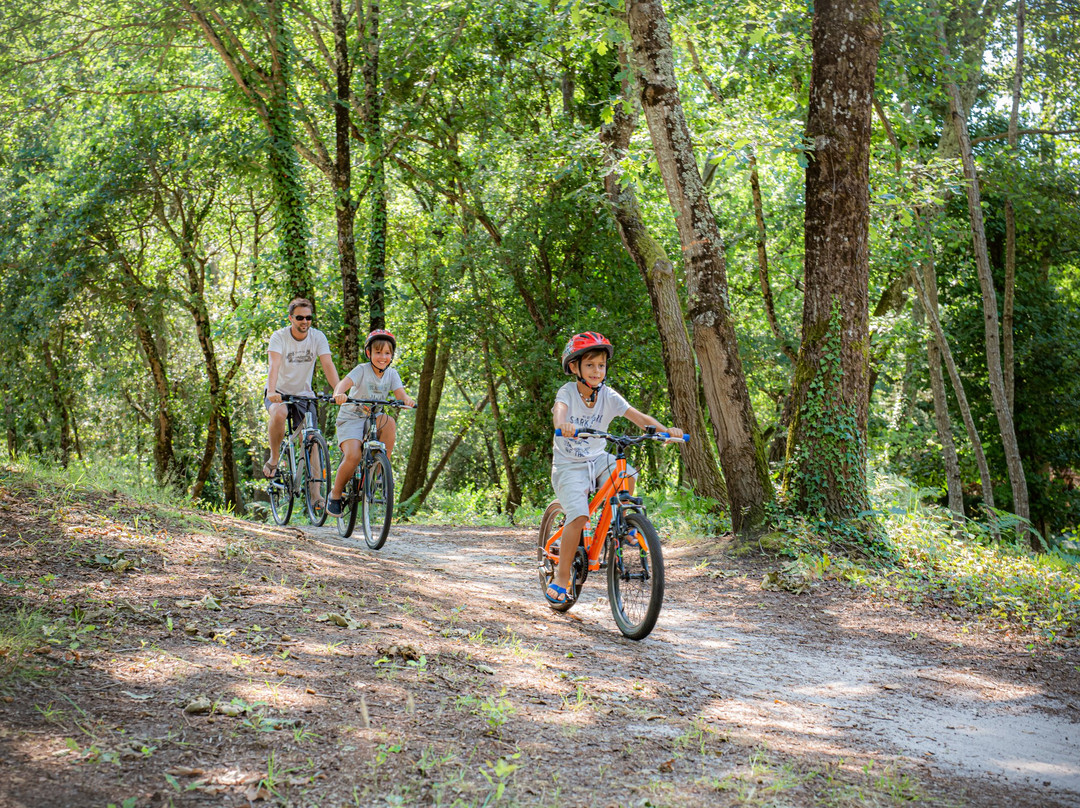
pixel 370 491
pixel 303 468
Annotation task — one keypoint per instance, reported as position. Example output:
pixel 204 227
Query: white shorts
pixel 351 429
pixel 574 483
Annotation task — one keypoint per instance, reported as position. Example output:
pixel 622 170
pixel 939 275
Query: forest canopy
pixel 485 179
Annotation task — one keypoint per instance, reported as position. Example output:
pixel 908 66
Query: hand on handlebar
pixel 274 398
pixel 566 430
pixel 341 398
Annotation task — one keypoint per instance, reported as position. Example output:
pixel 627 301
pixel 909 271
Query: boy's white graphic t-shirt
pixel 609 405
pixel 368 385
pixel 297 359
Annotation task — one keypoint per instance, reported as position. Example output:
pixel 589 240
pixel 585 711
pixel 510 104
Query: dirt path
pixel 792 671
pixel 184 659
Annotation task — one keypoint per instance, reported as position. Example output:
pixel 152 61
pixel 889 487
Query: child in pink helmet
pixel 373 380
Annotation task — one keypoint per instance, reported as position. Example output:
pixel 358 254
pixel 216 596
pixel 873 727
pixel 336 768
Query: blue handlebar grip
pixel 685 438
pixel 558 433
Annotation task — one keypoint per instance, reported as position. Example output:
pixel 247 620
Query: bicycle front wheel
pixel 317 478
pixel 635 578
pixel 280 491
pixel 554 519
pixel 377 504
pixel 350 503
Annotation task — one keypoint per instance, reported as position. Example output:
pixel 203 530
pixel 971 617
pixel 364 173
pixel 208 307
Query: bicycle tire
pixel 350 504
pixel 377 503
pixel 636 584
pixel 553 519
pixel 281 496
pixel 317 516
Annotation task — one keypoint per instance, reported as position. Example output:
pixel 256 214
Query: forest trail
pixel 178 658
pixel 798 674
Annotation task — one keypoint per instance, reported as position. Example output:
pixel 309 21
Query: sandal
pixel 269 469
pixel 560 594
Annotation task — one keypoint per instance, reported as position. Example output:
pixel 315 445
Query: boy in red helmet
pixel 374 380
pixel 579 464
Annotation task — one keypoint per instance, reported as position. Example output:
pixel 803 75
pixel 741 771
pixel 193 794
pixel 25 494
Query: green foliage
pixel 938 558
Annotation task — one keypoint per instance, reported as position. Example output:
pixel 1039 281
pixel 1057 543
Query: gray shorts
pixel 351 429
pixel 574 483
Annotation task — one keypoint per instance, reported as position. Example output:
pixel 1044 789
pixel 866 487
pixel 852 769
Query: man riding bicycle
pixel 292 354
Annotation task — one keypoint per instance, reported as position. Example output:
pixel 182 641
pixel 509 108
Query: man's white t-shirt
pixel 366 384
pixel 609 405
pixel 297 359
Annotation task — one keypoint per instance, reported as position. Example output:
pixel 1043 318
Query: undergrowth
pixel 984 568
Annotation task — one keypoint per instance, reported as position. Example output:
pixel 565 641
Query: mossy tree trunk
pixel 376 168
pixel 345 205
pixel 826 452
pixel 742 452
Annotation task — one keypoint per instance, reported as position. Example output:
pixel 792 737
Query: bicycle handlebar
pixel 371 402
pixel 289 397
pixel 625 440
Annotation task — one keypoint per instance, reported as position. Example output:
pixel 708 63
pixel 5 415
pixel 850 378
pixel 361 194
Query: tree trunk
pixel 285 175
pixel 659 275
pixel 432 377
pixel 209 450
pixel 59 402
pixel 942 422
pixel 513 492
pixel 928 294
pixel 826 453
pixel 1007 349
pixel 763 263
pixel 376 168
pixel 458 437
pixel 742 452
pixel 1013 461
pixel 344 206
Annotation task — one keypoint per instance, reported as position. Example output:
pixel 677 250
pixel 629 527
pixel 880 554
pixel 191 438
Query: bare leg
pixel 571 538
pixel 387 432
pixel 279 414
pixel 350 459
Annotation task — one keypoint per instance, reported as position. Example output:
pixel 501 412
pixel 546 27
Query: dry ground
pixel 238 664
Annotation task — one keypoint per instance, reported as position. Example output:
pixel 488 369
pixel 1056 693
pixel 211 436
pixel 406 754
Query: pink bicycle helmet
pixel 582 343
pixel 380 333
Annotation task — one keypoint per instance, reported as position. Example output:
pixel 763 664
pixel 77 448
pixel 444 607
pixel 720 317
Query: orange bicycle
pixel 624 543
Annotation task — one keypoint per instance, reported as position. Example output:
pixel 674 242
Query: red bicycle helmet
pixel 583 343
pixel 380 333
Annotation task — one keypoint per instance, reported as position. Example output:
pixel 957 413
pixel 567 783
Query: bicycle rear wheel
pixel 554 518
pixel 316 486
pixel 635 579
pixel 377 503
pixel 281 495
pixel 350 503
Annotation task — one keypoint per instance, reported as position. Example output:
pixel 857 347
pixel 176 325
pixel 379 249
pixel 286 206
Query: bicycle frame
pixel 610 500
pixel 296 435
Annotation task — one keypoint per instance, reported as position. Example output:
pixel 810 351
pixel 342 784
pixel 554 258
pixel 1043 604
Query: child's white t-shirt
pixel 609 405
pixel 366 384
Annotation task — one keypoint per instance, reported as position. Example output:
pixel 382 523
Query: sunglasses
pixel 303 317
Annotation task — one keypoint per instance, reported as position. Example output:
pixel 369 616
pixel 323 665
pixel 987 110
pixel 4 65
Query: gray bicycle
pixel 303 468
pixel 370 492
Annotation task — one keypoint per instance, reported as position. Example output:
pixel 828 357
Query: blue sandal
pixel 559 591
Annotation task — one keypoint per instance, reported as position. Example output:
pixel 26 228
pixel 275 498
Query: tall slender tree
pixel 742 451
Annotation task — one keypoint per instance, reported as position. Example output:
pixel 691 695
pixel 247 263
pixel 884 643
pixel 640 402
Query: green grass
pixel 934 556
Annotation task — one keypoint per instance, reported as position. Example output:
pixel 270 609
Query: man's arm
pixel 328 369
pixel 271 382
